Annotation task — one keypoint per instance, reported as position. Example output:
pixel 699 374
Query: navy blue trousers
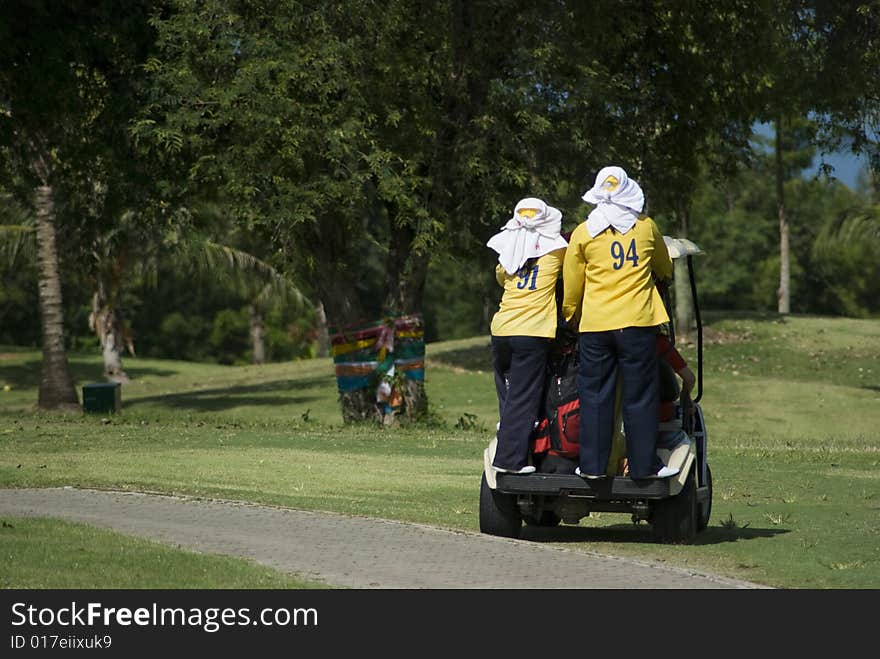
pixel 520 364
pixel 632 352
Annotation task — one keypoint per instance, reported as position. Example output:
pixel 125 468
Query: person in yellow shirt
pixel 608 277
pixel 531 251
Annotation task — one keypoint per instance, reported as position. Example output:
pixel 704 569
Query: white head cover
pixel 618 199
pixel 534 230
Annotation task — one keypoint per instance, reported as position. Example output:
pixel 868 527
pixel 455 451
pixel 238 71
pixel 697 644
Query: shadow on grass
pixel 221 398
pixel 631 533
pixel 712 316
pixel 477 358
pixel 717 534
pixel 27 375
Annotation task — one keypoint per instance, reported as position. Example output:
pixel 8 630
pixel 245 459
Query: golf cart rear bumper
pixel 619 487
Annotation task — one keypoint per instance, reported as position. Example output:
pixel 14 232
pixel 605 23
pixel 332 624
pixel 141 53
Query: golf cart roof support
pixel 690 262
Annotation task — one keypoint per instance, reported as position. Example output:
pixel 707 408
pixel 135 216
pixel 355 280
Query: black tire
pixel 705 508
pixel 546 518
pixel 674 520
pixel 499 514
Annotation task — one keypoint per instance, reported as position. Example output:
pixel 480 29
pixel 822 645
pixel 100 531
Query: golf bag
pixel 557 432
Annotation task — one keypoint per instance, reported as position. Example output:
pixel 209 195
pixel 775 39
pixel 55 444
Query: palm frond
pixel 17 240
pixel 239 268
pixel 860 224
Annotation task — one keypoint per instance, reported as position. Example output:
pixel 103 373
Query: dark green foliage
pixel 847 253
pixel 19 314
pixel 229 335
pixel 256 101
pixel 202 319
pixel 461 298
pixel 180 334
pixel 735 223
pixel 290 335
pixel 368 151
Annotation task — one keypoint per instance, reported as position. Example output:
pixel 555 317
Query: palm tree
pixel 57 390
pixel 846 252
pixel 858 224
pixel 35 236
pixel 61 62
pixel 262 284
pixel 126 253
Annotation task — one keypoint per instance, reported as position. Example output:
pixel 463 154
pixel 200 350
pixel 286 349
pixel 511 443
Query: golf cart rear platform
pixel 603 488
pixel 676 507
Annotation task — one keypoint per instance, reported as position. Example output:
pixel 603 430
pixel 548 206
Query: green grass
pixel 792 410
pixel 49 553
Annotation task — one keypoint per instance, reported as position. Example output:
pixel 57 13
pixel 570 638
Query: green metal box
pixel 102 397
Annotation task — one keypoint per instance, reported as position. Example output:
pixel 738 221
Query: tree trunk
pixel 405 271
pixel 104 323
pixel 258 335
pixel 684 306
pixel 57 390
pixel 783 294
pixel 339 304
pixel 360 405
pixel 405 274
pixel 323 333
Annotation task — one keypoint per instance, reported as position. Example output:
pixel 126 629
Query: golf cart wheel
pixel 546 518
pixel 705 508
pixel 674 520
pixel 499 514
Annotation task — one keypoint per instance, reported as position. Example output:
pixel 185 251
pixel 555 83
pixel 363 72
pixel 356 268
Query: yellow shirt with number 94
pixel 608 278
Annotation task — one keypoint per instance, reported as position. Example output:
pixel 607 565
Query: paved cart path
pixel 350 551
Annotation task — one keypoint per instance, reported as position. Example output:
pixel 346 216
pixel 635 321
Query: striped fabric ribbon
pixel 363 355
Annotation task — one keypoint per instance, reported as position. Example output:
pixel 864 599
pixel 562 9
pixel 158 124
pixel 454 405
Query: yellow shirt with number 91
pixel 528 305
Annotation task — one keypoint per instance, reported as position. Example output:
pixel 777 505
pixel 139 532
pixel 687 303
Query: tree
pixel 848 103
pixel 54 89
pixel 821 66
pixel 372 142
pixel 262 284
pixel 847 257
pixel 324 127
pixel 258 103
pixel 636 88
pixel 792 152
pixel 253 101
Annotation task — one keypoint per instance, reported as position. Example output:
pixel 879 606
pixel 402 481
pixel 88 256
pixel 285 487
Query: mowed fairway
pixel 792 410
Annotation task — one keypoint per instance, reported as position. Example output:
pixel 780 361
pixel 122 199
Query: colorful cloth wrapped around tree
pixel 380 367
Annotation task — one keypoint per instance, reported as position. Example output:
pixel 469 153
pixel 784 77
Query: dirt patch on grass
pixel 718 337
pixel 476 358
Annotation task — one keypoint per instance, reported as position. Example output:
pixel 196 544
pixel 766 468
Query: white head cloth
pixel 618 199
pixel 534 230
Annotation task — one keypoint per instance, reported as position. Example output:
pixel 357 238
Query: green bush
pixel 183 337
pixel 230 337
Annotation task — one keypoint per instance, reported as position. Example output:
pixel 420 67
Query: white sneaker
pixel 590 477
pixel 528 469
pixel 666 472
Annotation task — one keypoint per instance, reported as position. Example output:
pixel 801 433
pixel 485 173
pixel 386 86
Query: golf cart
pixel 676 507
